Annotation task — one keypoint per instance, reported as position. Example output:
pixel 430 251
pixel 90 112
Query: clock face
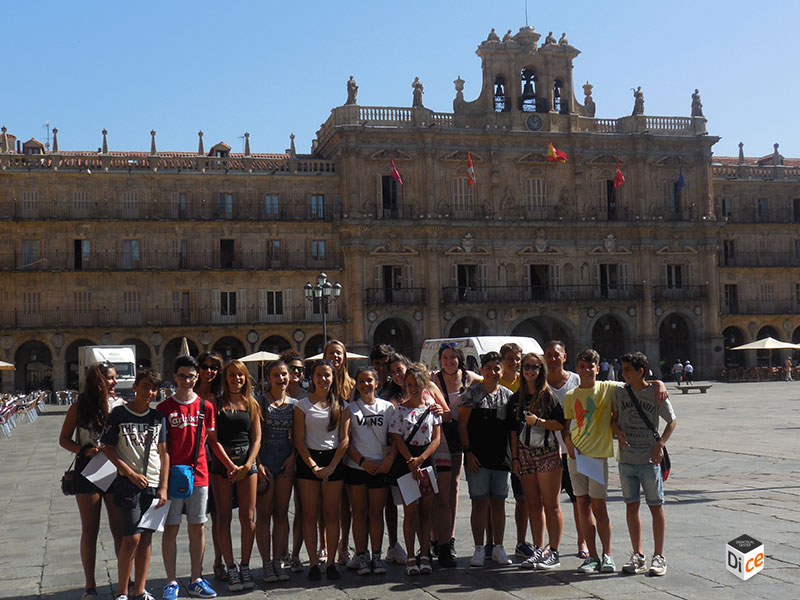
pixel 534 122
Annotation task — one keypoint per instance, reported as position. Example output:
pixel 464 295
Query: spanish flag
pixel 554 155
pixel 470 171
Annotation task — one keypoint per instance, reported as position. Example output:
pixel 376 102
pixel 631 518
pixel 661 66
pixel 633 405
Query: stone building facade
pixel 692 253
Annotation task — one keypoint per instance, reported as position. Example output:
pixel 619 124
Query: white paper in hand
pixel 154 518
pixel 100 471
pixel 591 467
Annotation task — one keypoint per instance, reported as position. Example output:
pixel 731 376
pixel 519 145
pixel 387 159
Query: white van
pixel 473 347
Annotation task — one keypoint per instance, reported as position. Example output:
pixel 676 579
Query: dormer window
pixel 33 146
pixel 221 150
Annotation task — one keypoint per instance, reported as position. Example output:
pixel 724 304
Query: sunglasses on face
pixel 296 369
pixel 209 367
pixel 530 367
pixel 186 377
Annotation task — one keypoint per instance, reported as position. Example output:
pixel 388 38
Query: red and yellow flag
pixel 470 171
pixel 554 155
pixel 619 178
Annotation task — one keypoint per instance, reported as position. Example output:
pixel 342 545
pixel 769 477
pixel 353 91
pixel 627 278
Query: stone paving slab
pixel 735 471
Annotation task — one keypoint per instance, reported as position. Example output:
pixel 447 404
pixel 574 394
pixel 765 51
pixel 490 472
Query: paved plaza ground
pixel 735 471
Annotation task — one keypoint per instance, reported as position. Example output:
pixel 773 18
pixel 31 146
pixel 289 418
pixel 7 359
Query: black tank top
pixel 233 427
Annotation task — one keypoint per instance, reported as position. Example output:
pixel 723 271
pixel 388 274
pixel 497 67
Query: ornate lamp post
pixel 325 293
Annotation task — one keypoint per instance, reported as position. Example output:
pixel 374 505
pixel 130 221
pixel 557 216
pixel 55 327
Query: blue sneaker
pixel 201 589
pixel 171 591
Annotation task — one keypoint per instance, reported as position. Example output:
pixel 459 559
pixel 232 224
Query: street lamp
pixel 325 293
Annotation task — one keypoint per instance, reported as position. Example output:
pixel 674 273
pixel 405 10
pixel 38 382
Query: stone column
pixel 59 374
pixel 353 282
pixel 431 257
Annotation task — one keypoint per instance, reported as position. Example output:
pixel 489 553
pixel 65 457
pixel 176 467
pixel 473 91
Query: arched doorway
pixel 767 358
pixel 34 364
pixel 467 327
pixel 608 337
pixel 543 329
pixel 229 348
pixel 674 340
pixel 71 360
pixel 313 346
pixel 142 352
pixel 397 334
pixel 733 337
pixel 171 352
pixel 275 344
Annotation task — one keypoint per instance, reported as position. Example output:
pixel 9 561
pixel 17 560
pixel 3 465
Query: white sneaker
pixel 397 555
pixel 658 565
pixel 478 557
pixel 499 555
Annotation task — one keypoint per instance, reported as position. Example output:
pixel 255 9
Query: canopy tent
pixel 350 356
pixel 4 366
pixel 768 343
pixel 262 357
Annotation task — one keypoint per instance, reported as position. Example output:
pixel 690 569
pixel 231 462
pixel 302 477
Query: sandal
pixel 425 566
pixel 220 573
pixel 583 554
pixel 411 566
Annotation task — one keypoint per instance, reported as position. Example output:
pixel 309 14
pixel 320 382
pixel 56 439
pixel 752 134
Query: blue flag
pixel 681 181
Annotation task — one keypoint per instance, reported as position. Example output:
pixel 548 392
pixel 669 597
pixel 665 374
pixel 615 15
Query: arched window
pixel 557 88
pixel 527 101
pixel 500 104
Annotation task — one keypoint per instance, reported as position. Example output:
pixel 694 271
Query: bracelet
pixel 515 458
pixel 361 460
pixel 314 466
pixel 467 448
pixel 537 422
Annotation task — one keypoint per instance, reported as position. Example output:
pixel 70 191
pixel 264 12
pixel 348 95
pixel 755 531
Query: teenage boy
pixel 484 438
pixel 135 440
pixel 379 358
pixel 640 458
pixel 587 410
pixel 184 426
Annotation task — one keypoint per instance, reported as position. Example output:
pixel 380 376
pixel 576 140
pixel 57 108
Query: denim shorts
pixel 487 483
pixel 648 476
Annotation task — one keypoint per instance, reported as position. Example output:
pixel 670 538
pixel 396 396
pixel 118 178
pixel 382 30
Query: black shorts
pixel 238 455
pixel 321 458
pixel 401 466
pixel 130 516
pixel 361 477
pixel 83 485
pixel 516 487
pixel 566 482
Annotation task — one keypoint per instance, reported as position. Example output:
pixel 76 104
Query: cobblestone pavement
pixel 735 471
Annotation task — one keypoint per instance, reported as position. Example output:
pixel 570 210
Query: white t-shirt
pixel 369 428
pixel 571 383
pixel 317 435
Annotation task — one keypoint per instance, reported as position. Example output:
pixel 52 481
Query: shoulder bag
pixel 126 493
pixel 666 464
pixel 181 477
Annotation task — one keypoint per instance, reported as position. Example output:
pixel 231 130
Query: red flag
pixel 619 178
pixel 554 155
pixel 395 172
pixel 470 171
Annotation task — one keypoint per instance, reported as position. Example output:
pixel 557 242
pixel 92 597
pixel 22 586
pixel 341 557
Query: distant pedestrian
pixel 688 372
pixel 787 367
pixel 677 371
pixel 604 368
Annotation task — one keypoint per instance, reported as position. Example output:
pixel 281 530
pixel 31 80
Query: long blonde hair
pixel 343 384
pixel 224 400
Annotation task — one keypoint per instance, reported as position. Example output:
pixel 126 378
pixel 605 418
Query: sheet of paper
pixel 591 467
pixel 409 488
pixel 100 471
pixel 397 497
pixel 154 518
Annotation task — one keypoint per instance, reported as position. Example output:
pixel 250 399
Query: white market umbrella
pixel 184 348
pixel 768 343
pixel 350 356
pixel 262 357
pixel 4 366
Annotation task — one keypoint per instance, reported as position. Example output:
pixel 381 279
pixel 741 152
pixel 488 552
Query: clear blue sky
pixel 273 68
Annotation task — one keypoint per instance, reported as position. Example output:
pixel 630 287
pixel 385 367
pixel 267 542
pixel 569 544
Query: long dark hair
pixel 334 400
pixel 216 383
pixel 394 391
pixel 461 360
pixel 365 369
pixel 542 400
pixel 92 404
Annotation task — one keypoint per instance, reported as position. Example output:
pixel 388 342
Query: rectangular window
pixel 763 210
pixel 183 254
pixel 30 254
pixel 225 205
pixel 274 302
pixel 130 204
pixel 227 304
pixel 30 204
pixel 82 252
pixel 727 207
pixel 130 254
pixel 80 204
pixel 271 207
pixel 796 296
pixel 674 276
pixel 318 249
pixel 535 197
pixel 675 205
pixel 796 210
pixel 31 315
pixel 82 302
pixel 729 252
pixel 463 198
pixel 227 254
pixel 540 281
pixel 274 251
pixel 183 204
pixel 131 307
pixel 767 293
pixel 797 249
pixel 731 298
pixel 611 200
pixel 317 206
pixel 390 197
pixel 609 280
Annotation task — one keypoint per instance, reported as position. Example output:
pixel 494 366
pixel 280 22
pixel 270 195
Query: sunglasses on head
pixel 530 367
pixel 448 345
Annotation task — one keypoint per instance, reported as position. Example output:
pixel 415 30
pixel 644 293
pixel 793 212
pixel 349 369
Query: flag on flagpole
pixel 681 180
pixel 554 155
pixel 395 172
pixel 470 171
pixel 619 178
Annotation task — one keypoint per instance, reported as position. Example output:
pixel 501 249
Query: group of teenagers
pixel 340 444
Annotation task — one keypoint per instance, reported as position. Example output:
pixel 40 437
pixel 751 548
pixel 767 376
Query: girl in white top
pixel 369 458
pixel 321 426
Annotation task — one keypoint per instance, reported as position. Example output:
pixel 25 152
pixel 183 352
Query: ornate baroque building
pixel 692 254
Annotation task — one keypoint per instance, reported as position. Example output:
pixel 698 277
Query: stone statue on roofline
pixel 697 106
pixel 549 39
pixel 352 91
pixel 508 37
pixel 589 107
pixel 638 101
pixel 417 94
pixel 563 41
pixel 493 37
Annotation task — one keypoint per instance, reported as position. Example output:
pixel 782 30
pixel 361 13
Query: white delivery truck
pixel 122 357
pixel 473 347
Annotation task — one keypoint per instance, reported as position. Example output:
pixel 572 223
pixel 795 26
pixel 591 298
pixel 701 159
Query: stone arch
pixel 468 324
pixel 71 361
pixel 275 344
pixel 676 340
pixel 545 327
pixel 313 346
pixel 767 358
pixel 610 333
pixel 732 337
pixel 144 356
pixel 400 331
pixel 229 347
pixel 171 351
pixel 34 366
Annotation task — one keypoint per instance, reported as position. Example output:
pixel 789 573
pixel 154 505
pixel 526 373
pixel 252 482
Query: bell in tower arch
pixel 527 100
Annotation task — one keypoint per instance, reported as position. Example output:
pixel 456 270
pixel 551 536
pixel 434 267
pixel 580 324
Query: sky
pixel 276 68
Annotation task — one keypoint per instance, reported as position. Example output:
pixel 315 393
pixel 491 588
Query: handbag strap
pixel 417 425
pixel 638 407
pixel 151 431
pixel 361 405
pixel 198 433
